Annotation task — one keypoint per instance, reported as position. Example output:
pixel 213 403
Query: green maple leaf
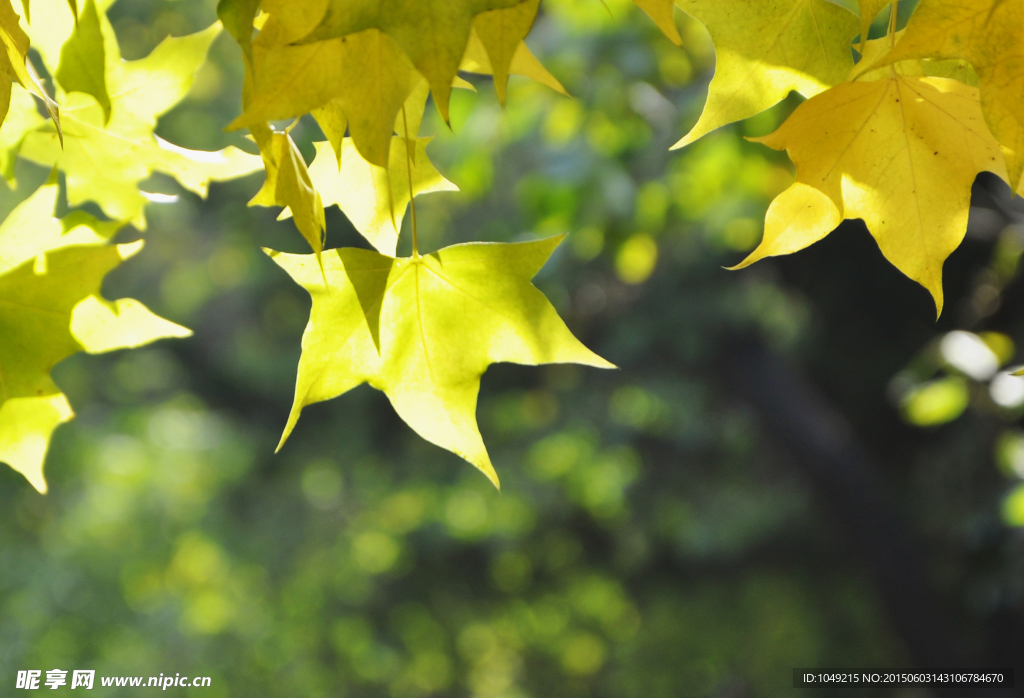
pixel 50 307
pixel 139 92
pixel 424 329
pixel 765 50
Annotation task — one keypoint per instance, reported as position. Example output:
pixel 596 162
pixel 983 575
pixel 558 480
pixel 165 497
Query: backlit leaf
pixel 523 63
pixel 767 49
pixel 432 33
pixel 367 74
pixel 501 32
pixel 424 330
pixel 289 184
pixel 373 198
pixel 124 146
pixel 82 65
pixel 14 66
pixel 371 57
pixel 990 35
pixel 901 153
pixel 50 308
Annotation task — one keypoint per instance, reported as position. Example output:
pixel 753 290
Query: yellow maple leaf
pixel 50 307
pixel 765 50
pixel 875 49
pixel 83 66
pixel 124 145
pixel 901 153
pixel 374 198
pixel 989 34
pixel 53 26
pixel 26 425
pixel 423 330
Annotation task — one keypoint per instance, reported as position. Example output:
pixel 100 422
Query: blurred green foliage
pixel 651 539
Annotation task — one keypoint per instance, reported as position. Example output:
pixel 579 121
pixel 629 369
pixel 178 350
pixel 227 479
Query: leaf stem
pixel 893 20
pixel 412 194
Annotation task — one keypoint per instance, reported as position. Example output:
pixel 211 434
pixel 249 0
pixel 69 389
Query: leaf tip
pixel 130 249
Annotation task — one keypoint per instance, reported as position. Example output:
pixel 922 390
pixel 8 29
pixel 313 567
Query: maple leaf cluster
pixel 422 329
pixel 895 139
pixel 894 132
pixel 100 136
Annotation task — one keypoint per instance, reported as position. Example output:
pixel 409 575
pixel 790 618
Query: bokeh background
pixel 796 465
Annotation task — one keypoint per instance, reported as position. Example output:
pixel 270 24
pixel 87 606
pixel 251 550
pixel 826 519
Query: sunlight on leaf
pixel 424 330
